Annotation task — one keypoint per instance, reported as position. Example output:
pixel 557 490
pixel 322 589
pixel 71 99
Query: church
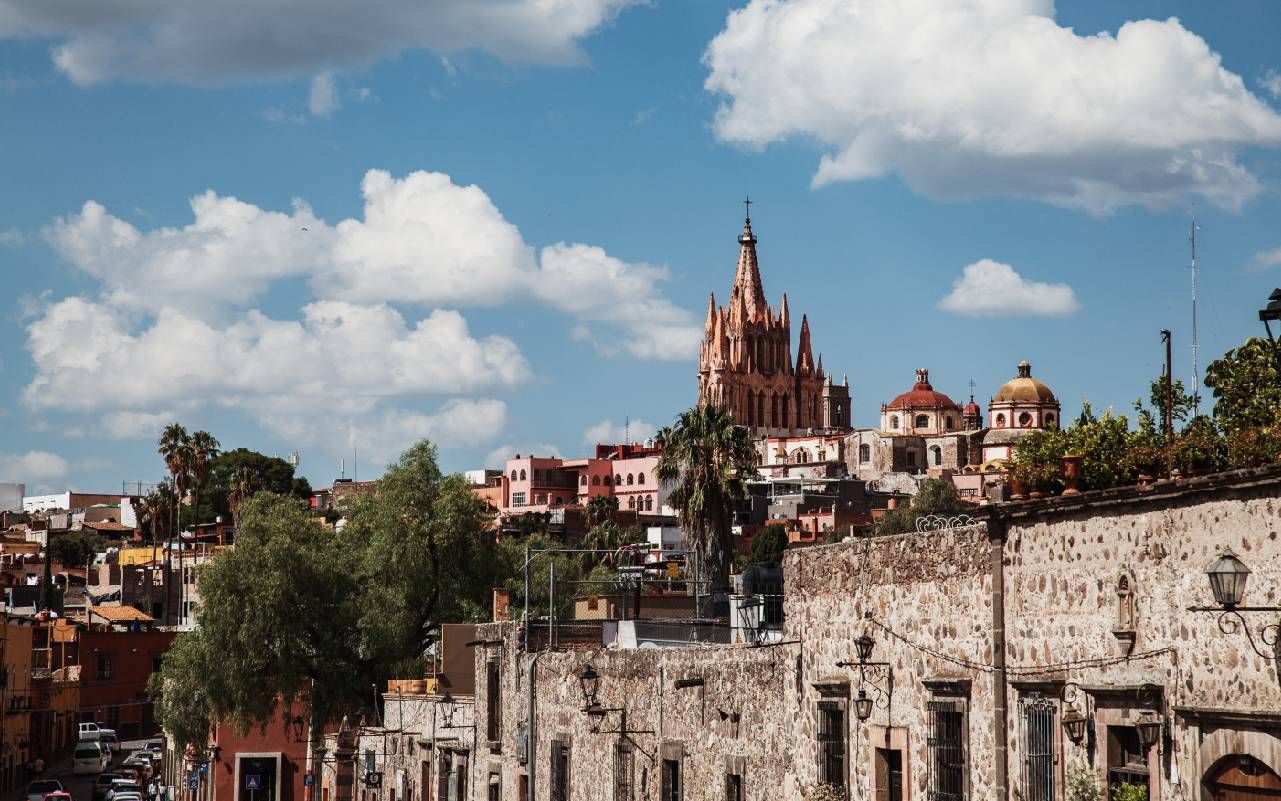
pixel 746 362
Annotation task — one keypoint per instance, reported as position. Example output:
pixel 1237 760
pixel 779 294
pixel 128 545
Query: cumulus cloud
pixel 1272 83
pixel 323 100
pixel 222 41
pixel 607 432
pixel 965 98
pixel 230 254
pixel 991 289
pixel 32 466
pixel 422 239
pixel 337 352
pixel 12 238
pixel 1265 259
pixel 135 425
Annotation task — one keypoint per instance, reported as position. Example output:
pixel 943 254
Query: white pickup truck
pixel 89 731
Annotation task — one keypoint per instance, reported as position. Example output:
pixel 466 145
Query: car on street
pixel 139 763
pixel 59 795
pixel 38 789
pixel 123 786
pixel 109 739
pixel 101 784
pixel 88 731
pixel 88 758
pixel 129 796
pixel 154 746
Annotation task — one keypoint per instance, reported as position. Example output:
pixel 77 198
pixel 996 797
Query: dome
pixel 1024 389
pixel 922 396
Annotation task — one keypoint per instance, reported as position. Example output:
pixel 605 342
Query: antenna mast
pixel 1196 376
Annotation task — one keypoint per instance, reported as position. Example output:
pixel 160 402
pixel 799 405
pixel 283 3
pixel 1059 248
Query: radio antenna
pixel 1196 375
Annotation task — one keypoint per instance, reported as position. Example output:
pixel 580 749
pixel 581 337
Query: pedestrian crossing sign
pixel 253 781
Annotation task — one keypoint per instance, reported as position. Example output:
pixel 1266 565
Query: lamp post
pixel 1268 314
pixel 864 703
pixel 1227 575
pixel 589 683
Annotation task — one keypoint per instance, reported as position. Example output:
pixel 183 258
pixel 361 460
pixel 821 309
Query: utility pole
pixel 1196 376
pixel 1169 396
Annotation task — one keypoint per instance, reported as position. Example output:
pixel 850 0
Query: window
pixel 631 501
pixel 1049 421
pixel 607 481
pixel 618 479
pixel 864 454
pixel 495 787
pixel 922 421
pixel 640 479
pixel 513 475
pixel 946 745
pixel 518 499
pixel 1127 761
pixel 1038 717
pixel 493 702
pixel 1025 420
pixel 649 503
pixel 559 500
pixel 671 780
pixel 104 666
pixel 1000 421
pixel 936 454
pixel 582 480
pixel 911 458
pixel 733 787
pixel 893 421
pixel 831 744
pixel 595 481
pixel 540 499
pixel 630 479
pixel 560 772
pixel 522 475
pixel 624 772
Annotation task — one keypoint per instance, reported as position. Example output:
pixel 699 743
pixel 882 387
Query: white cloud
pixel 323 100
pixel 606 432
pixel 32 466
pixel 967 98
pixel 1265 259
pixel 230 254
pixel 135 425
pixel 12 238
pixel 221 41
pixel 991 289
pixel 496 458
pixel 1272 83
pixel 338 353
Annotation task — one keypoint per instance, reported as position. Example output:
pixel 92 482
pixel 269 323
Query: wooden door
pixel 1243 778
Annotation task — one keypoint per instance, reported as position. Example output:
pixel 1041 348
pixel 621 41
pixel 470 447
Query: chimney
pixel 891 504
pixel 502 601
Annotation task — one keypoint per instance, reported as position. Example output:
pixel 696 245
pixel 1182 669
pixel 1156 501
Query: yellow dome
pixel 1024 389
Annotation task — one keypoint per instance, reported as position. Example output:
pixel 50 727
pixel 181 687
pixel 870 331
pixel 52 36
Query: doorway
pixel 888 774
pixel 1241 777
pixel 257 777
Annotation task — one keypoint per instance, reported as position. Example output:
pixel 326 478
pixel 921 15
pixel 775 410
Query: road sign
pixel 193 783
pixel 309 780
pixel 373 779
pixel 253 781
pixel 204 768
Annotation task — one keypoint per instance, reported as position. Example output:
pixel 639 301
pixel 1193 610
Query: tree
pixel 269 473
pixel 179 690
pixel 768 544
pixel 175 448
pixel 1244 385
pixel 76 548
pixel 510 562
pixel 706 459
pixel 600 508
pixel 607 536
pixel 934 497
pixel 242 484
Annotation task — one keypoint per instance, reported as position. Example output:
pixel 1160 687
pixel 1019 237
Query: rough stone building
pixel 746 365
pixel 992 660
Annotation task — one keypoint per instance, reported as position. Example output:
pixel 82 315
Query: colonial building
pixel 922 410
pixel 746 360
pixel 1022 405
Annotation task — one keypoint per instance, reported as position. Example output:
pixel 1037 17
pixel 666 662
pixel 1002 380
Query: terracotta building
pixel 746 360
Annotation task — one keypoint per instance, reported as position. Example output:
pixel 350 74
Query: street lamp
pixel 1227 575
pixel 297 724
pixel 589 681
pixel 1074 724
pixel 862 705
pixel 868 672
pixel 1149 728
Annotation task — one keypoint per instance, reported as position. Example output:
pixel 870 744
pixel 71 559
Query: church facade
pixel 746 363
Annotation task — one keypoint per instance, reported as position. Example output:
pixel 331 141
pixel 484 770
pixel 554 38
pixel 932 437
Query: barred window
pixel 831 744
pixel 624 772
pixel 560 772
pixel 733 787
pixel 1038 714
pixel 946 743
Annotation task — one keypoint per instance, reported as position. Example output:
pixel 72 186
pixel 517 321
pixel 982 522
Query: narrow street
pixel 80 787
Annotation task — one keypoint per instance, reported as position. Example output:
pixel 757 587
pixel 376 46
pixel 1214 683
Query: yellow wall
pixel 139 556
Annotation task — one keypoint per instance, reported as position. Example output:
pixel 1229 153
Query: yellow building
pixel 139 555
pixel 15 698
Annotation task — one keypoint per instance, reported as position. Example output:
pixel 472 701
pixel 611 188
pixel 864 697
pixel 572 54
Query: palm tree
pixel 706 459
pixel 175 447
pixel 600 508
pixel 241 484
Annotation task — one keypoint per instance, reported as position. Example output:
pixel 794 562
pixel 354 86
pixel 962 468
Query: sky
pixel 495 223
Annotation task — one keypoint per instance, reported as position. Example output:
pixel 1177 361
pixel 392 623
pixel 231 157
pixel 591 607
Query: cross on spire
pixel 971 389
pixel 747 203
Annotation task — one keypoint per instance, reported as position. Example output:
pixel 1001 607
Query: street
pixel 80 787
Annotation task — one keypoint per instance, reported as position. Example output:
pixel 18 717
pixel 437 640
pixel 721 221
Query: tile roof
pixel 121 614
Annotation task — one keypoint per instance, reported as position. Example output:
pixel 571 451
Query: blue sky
pixel 888 147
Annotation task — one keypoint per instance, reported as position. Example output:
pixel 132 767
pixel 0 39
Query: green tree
pixel 768 544
pixel 76 548
pixel 934 497
pixel 706 459
pixel 266 473
pixel 180 690
pixel 600 508
pixel 1244 385
pixel 175 448
pixel 511 574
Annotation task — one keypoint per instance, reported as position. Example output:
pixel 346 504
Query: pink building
pixel 625 472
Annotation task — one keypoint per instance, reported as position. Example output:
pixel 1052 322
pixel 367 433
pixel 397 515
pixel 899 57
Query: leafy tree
pixel 600 508
pixel 175 448
pixel 180 690
pixel 76 548
pixel 1244 385
pixel 768 544
pixel 706 458
pixel 511 572
pixel 935 497
pixel 241 466
pixel 603 580
pixel 1182 402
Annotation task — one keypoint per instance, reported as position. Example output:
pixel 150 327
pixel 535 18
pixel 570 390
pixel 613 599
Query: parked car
pixel 88 731
pixel 38 789
pixel 102 784
pixel 89 757
pixel 141 764
pixel 58 795
pixel 128 796
pixel 108 738
pixel 123 786
pixel 154 746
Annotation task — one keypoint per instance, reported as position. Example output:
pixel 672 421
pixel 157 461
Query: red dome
pixel 922 396
pixel 971 409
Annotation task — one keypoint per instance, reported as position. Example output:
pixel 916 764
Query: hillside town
pixel 759 601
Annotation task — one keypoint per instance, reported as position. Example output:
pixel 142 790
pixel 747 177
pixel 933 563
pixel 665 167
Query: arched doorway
pixel 1241 777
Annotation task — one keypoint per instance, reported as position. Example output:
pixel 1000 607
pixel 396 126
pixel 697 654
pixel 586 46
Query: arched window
pixel 559 500
pixel 618 479
pixel 1000 421
pixel 1025 420
pixel 864 454
pixel 522 475
pixel 540 499
pixel 595 481
pixel 783 408
pixel 1049 421
pixel 937 454
pixel 582 480
pixel 922 421
pixel 640 479
pixel 822 455
pixel 631 479
pixel 513 475
pixel 800 456
pixel 751 408
pixel 631 501
pixel 893 422
pixel 950 423
pixel 607 481
pixel 649 503
pixel 773 410
pixel 760 409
